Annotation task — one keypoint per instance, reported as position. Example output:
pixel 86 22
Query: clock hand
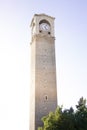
pixel 46 27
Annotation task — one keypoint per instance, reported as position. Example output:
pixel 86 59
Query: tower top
pixel 42 14
pixel 42 24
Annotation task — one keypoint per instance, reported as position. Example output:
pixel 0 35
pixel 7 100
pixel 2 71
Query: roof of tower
pixel 44 15
pixel 41 15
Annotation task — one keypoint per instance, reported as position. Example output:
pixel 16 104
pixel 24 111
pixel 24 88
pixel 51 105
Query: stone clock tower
pixel 43 69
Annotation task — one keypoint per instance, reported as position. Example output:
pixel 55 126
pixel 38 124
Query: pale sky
pixel 71 55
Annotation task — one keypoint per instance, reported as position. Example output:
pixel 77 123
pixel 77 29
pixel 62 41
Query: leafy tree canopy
pixel 67 119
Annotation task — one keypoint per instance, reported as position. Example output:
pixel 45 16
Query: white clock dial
pixel 44 27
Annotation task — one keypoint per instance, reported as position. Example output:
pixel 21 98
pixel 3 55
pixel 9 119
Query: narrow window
pixel 48 32
pixel 46 98
pixel 40 31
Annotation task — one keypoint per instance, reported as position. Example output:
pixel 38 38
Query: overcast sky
pixel 71 55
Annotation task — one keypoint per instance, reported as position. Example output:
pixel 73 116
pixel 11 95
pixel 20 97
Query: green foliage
pixel 81 115
pixel 67 119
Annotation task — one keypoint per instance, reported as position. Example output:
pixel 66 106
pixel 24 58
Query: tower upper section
pixel 42 24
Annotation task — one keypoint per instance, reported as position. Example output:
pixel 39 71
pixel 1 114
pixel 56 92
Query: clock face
pixel 44 27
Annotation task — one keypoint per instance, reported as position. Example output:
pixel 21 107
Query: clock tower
pixel 43 97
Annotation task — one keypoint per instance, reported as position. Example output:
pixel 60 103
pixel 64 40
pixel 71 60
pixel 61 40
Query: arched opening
pixel 44 21
pixel 45 98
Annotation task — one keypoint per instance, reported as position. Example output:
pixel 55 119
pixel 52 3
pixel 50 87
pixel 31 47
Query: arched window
pixel 45 98
pixel 44 26
pixel 44 21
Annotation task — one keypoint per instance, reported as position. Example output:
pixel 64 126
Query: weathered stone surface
pixel 43 72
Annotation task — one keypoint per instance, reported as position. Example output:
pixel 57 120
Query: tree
pixel 81 115
pixel 67 119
